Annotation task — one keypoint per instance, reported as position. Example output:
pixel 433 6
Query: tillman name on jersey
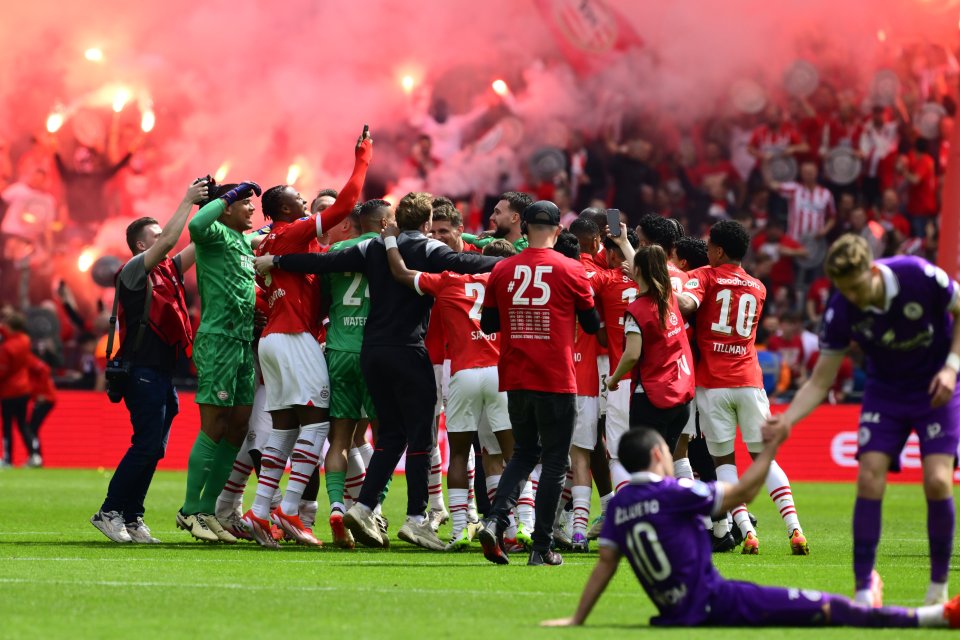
pixel 732 349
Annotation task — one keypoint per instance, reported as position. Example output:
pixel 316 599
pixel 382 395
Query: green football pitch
pixel 59 577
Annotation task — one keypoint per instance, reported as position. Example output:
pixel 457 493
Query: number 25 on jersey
pixel 522 277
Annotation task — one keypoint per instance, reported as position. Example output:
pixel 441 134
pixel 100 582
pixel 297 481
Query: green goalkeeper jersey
pixel 349 295
pixel 225 274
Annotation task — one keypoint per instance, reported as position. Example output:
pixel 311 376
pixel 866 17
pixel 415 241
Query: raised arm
pixel 350 193
pixel 196 193
pixel 211 211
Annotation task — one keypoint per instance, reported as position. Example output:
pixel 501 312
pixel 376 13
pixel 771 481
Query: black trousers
pixel 15 410
pixel 41 409
pixel 669 422
pixel 542 429
pixel 404 393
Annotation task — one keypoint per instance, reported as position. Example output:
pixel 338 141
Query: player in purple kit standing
pixel 657 522
pixel 903 313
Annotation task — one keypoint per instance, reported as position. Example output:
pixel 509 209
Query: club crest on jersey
pixel 673 319
pixel 223 395
pixel 863 436
pixel 933 430
pixel 913 311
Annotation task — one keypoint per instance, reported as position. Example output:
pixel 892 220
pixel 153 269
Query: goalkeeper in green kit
pixel 222 351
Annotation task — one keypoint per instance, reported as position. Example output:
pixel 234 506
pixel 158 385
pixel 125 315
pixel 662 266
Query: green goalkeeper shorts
pixel 224 370
pixel 349 397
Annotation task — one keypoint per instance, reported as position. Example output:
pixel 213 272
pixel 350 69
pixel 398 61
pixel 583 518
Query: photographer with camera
pixel 154 331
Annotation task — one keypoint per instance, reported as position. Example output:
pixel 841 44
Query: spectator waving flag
pixel 588 32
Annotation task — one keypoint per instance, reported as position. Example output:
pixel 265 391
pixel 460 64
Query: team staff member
pixel 149 393
pixel 223 351
pixel 393 351
pixel 534 299
pixel 657 342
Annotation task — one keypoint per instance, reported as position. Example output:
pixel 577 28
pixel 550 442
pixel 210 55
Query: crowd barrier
pixel 87 431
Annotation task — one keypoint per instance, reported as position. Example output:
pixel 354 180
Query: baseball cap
pixel 542 212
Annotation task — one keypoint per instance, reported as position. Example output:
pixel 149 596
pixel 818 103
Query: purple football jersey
pixel 657 524
pixel 906 343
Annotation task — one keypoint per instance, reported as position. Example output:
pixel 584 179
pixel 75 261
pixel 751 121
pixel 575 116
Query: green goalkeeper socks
pixel 223 458
pixel 198 469
pixel 335 481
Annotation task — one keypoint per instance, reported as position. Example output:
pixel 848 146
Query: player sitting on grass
pixel 656 522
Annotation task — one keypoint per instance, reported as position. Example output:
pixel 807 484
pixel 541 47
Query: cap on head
pixel 542 212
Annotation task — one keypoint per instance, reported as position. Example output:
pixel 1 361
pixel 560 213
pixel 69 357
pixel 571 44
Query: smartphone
pixel 366 129
pixel 613 222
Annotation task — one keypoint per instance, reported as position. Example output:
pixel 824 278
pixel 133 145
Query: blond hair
pixel 413 210
pixel 849 255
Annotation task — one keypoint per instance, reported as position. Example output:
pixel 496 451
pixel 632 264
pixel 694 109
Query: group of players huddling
pixel 650 333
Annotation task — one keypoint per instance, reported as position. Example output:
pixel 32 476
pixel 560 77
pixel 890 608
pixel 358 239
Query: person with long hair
pixel 657 345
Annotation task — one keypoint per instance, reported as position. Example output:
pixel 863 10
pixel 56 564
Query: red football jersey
pixel 435 339
pixel 537 294
pixel 459 298
pixel 585 347
pixel 678 278
pixel 729 303
pixel 665 359
pixel 593 264
pixel 293 298
pixel 615 291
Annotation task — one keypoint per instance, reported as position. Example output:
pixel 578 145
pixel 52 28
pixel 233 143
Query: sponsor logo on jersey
pixel 913 311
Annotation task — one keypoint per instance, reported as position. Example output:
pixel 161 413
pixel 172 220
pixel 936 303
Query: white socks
pixel 618 475
pixel 779 488
pixel 303 460
pixel 458 509
pixel 525 506
pixel 356 473
pixel 728 473
pixel 581 508
pixel 273 460
pixel 682 468
pixel 435 486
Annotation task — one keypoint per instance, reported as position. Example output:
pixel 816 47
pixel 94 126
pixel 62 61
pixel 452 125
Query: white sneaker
pixel 936 594
pixel 111 524
pixel 362 523
pixel 421 534
pixel 437 518
pixel 35 461
pixel 139 532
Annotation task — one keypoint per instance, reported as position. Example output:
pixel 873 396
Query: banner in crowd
pixel 949 248
pixel 588 32
pixel 86 431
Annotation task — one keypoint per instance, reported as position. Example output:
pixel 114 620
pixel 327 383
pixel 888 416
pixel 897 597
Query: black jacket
pixel 398 314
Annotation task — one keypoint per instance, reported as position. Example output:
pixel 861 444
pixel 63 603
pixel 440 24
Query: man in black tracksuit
pixel 394 361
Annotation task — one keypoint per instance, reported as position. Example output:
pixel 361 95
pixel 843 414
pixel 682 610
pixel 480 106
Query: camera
pixel 117 373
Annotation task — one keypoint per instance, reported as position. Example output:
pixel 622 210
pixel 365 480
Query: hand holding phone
pixel 613 222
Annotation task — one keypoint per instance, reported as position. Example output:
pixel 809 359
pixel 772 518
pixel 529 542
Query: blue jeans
pixel 152 402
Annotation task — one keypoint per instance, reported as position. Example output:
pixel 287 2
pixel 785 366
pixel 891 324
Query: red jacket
pixel 14 356
pixel 41 380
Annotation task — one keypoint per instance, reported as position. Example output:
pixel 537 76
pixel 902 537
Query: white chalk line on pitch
pixel 283 587
pixel 316 560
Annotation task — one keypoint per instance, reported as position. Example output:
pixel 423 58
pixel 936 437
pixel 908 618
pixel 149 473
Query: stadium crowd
pixel 672 278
